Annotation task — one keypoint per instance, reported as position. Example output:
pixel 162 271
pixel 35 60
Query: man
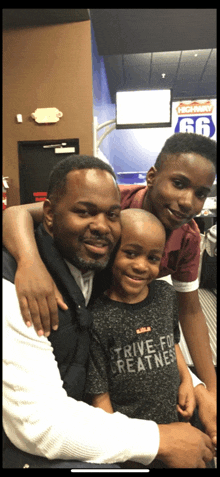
pixel 44 420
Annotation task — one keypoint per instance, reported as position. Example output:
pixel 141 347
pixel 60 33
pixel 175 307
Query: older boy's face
pixel 178 190
pixel 86 220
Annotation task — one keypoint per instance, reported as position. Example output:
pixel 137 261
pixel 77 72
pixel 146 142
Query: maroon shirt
pixel 182 249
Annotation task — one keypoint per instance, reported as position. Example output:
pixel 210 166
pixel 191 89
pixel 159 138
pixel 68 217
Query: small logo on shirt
pixel 143 329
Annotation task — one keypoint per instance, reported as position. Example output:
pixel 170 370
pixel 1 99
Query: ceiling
pixel 144 48
pixel 29 17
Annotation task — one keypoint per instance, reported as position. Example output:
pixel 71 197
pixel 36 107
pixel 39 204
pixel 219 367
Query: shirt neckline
pixel 135 306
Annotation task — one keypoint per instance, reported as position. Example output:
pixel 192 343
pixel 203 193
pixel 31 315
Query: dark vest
pixel 71 341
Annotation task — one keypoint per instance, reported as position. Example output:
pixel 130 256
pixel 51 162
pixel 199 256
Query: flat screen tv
pixel 143 109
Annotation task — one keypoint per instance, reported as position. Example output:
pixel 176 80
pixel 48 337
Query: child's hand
pixel 186 400
pixel 38 297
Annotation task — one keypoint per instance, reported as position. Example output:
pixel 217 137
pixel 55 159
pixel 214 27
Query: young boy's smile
pixel 177 191
pixel 137 261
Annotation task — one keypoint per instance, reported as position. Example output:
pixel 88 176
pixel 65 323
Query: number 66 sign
pixel 195 117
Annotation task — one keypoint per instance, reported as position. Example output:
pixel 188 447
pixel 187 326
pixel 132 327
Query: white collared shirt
pixel 84 281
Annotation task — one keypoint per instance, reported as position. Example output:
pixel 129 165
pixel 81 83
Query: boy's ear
pixel 48 215
pixel 151 175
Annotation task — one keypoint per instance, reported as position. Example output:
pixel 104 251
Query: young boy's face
pixel 178 190
pixel 137 261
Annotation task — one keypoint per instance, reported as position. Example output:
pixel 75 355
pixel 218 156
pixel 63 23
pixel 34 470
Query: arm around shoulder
pixel 37 294
pixel 18 228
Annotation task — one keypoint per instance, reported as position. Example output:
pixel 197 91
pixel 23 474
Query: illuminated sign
pixel 196 117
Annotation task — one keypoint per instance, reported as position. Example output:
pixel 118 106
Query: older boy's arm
pixel 18 229
pixel 195 330
pixel 103 401
pixel 207 411
pixel 182 366
pixel 186 397
pixel 37 293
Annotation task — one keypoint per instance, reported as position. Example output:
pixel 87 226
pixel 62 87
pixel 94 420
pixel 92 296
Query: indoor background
pixel 76 59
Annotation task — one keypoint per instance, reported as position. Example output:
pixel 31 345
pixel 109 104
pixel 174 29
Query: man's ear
pixel 151 175
pixel 48 215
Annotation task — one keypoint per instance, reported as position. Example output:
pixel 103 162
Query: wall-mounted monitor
pixel 143 109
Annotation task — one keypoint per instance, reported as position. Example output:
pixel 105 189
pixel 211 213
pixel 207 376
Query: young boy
pixel 136 366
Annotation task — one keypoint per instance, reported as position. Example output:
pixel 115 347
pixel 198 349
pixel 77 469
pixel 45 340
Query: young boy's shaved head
pixel 137 217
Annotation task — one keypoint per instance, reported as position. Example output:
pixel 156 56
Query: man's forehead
pixel 90 175
pixel 84 183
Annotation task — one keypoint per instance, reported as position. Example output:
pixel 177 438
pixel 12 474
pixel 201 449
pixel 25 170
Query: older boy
pixel 177 186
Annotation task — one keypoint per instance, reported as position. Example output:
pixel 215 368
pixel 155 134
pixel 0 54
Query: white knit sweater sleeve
pixel 41 419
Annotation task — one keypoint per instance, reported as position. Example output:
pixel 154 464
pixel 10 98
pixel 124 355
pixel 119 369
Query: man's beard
pixel 95 263
pixel 92 264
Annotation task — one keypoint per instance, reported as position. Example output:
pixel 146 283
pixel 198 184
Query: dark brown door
pixel 36 160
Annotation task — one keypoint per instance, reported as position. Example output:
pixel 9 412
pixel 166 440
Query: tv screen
pixel 143 109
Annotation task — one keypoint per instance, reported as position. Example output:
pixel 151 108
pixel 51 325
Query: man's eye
pixel 81 212
pixel 114 215
pixel 178 184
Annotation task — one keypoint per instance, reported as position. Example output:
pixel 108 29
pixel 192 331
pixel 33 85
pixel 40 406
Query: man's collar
pixel 77 273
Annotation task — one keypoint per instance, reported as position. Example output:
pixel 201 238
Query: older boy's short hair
pixel 180 143
pixel 57 177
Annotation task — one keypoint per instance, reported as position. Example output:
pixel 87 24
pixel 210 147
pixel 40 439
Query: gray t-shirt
pixel 132 354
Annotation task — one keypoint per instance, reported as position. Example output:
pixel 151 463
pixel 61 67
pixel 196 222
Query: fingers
pixel 30 312
pixel 213 435
pixel 209 454
pixel 214 439
pixel 59 299
pixel 190 406
pixel 47 314
pixel 61 304
pixel 43 313
pixel 182 397
pixel 23 304
pixel 184 413
pixel 210 449
pixel 53 312
pixel 186 402
pixel 38 298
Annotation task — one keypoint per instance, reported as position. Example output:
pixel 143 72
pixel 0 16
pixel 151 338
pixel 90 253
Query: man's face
pixel 86 220
pixel 178 190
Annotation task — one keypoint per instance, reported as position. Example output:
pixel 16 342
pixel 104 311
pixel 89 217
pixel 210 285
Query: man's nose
pixel 99 223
